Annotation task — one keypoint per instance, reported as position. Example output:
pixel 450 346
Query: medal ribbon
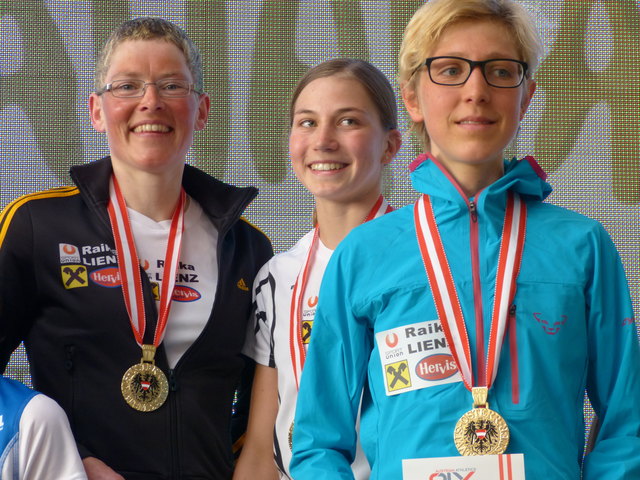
pixel 129 264
pixel 444 291
pixel 296 344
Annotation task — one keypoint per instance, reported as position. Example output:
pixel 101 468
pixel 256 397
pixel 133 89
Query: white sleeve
pixel 259 342
pixel 47 449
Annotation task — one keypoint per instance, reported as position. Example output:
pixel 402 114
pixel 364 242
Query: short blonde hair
pixel 428 23
pixel 149 28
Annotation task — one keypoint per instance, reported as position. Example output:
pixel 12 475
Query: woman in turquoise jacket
pixel 473 321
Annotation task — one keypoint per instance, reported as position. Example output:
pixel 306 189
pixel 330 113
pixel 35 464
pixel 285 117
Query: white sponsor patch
pixel 68 253
pixel 479 467
pixel 415 356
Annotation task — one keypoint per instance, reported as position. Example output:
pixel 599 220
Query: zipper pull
pixel 173 382
pixel 473 211
pixel 70 351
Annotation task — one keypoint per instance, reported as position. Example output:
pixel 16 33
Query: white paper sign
pixel 482 467
pixel 415 356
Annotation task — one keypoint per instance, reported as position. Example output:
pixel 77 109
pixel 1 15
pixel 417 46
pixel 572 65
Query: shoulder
pixel 43 414
pixel 555 222
pixel 19 216
pixel 253 230
pixel 216 197
pixel 287 263
pixel 30 199
pixel 385 233
pixel 47 447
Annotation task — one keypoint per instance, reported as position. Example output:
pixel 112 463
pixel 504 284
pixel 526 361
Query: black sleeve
pixel 18 293
pixel 241 404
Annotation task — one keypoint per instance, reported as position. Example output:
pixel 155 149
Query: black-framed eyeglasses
pixel 498 72
pixel 170 88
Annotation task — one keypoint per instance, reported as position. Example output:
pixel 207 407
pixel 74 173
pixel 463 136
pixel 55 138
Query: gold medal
pixel 144 386
pixel 291 437
pixel 481 431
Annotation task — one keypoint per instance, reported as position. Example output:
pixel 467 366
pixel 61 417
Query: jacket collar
pixel 523 176
pixel 223 203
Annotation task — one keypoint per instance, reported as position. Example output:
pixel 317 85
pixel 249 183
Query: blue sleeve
pixel 324 439
pixel 613 382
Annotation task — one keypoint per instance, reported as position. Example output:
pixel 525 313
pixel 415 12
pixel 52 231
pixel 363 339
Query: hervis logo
pixel 106 277
pixel 397 376
pixel 182 293
pixel 74 276
pixel 436 367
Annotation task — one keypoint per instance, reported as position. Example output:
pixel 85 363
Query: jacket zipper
pixel 173 380
pixel 173 423
pixel 70 351
pixel 513 351
pixel 477 290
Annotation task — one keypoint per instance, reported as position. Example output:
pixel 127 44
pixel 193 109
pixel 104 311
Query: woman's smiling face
pixel 150 133
pixel 337 143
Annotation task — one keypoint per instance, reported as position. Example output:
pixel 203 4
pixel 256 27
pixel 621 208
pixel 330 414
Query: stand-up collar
pixel 523 176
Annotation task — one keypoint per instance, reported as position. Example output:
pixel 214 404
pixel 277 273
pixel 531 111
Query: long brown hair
pixel 372 79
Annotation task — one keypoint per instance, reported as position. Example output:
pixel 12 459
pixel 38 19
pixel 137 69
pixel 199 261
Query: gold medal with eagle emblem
pixel 481 431
pixel 144 386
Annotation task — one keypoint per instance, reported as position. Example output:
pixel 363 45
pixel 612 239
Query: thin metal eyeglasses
pixel 498 72
pixel 169 88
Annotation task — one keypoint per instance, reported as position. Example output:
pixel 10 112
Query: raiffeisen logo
pixel 106 277
pixel 436 367
pixel 185 294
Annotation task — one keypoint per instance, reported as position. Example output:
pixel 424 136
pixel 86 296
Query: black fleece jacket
pixel 79 340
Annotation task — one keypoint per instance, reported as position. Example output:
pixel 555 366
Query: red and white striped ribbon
pixel 444 291
pixel 296 343
pixel 129 264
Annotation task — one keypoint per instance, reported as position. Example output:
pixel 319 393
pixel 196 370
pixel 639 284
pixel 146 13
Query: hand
pixel 98 470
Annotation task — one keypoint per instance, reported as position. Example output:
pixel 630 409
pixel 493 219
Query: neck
pixel 336 220
pixel 473 178
pixel 154 196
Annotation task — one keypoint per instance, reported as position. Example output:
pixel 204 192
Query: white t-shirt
pixel 197 277
pixel 269 346
pixel 46 449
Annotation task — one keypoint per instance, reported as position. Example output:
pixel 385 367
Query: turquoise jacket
pixel 571 327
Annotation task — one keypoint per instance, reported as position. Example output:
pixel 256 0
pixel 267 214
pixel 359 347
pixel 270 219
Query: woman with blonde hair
pixel 472 321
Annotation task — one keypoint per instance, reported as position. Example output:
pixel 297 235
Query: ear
pixel 96 113
pixel 203 111
pixel 394 142
pixel 526 99
pixel 412 102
